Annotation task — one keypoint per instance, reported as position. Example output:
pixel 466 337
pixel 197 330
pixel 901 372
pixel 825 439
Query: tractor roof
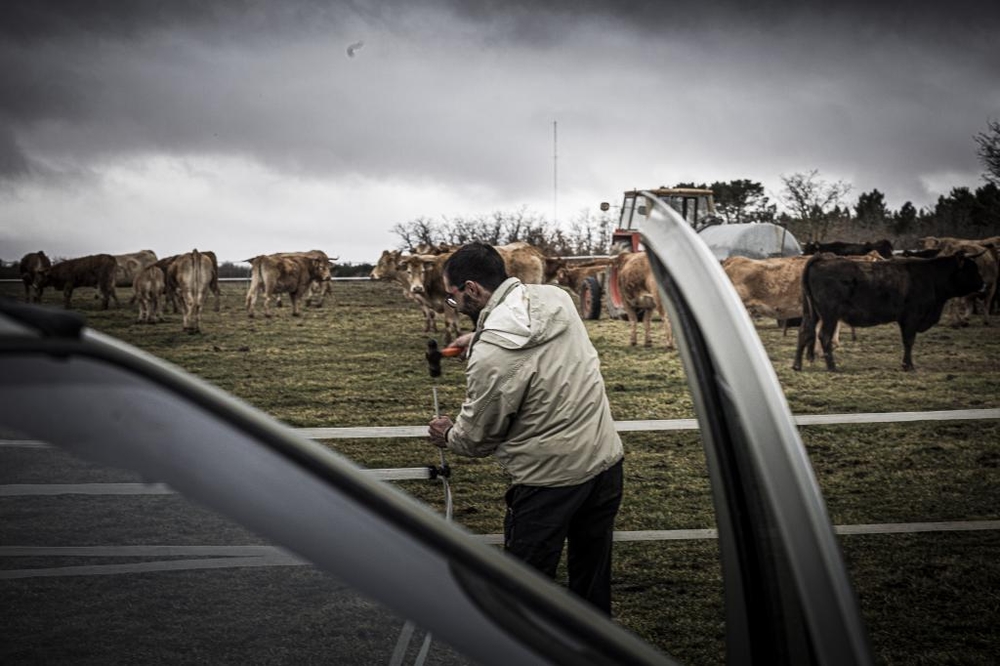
pixel 673 191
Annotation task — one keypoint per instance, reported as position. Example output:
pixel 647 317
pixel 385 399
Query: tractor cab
pixel 693 204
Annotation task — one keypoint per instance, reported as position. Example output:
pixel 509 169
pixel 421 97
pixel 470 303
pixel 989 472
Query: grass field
pixel 926 598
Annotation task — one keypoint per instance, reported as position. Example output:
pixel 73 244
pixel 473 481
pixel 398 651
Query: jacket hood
pixel 513 319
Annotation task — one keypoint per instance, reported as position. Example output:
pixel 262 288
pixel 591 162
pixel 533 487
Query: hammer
pixel 433 356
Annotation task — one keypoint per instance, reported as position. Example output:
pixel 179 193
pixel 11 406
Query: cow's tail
pixel 808 303
pixel 196 272
pixel 807 329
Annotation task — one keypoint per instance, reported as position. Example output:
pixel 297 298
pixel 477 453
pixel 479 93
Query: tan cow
pixel 430 248
pixel 984 253
pixel 769 288
pixel 640 295
pixel 213 285
pixel 31 265
pixel 425 275
pixel 389 267
pixel 149 286
pixel 129 265
pixel 192 275
pixel 275 274
pixel 772 287
pixel 96 270
pixel 170 286
pixel 523 261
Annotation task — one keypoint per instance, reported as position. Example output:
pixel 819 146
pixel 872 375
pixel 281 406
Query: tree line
pixel 814 209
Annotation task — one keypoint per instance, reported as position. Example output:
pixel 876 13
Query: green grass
pixel 927 598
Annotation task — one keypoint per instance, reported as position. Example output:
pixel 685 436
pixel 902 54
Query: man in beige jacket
pixel 535 400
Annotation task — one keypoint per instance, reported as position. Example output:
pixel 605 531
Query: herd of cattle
pixel 860 284
pixel 182 281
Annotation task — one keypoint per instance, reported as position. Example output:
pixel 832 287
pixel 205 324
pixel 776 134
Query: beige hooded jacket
pixel 535 396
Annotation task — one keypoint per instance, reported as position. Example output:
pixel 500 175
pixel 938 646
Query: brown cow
pixel 640 294
pixel 552 267
pixel 275 274
pixel 149 286
pixel 192 275
pixel 984 253
pixel 31 265
pixel 318 289
pixel 96 270
pixel 572 277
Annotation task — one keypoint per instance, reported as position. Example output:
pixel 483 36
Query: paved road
pixel 145 614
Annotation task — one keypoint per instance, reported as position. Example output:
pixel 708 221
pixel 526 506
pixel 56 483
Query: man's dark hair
pixel 478 262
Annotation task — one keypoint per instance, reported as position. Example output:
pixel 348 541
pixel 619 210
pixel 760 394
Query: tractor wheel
pixel 590 299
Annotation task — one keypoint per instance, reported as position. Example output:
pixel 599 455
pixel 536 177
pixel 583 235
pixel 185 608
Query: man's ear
pixel 476 291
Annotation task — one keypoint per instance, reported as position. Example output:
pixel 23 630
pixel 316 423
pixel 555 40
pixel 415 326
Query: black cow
pixel 96 270
pixel 31 266
pixel 910 292
pixel 883 247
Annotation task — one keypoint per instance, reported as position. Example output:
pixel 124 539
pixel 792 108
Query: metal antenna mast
pixel 555 174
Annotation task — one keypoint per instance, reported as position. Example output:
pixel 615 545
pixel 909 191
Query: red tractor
pixel 695 205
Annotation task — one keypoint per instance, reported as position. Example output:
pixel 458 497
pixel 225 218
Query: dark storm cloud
pixel 32 20
pixel 35 20
pixel 13 161
pixel 85 82
pixel 944 21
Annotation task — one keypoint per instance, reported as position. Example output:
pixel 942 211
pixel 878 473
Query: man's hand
pixel 438 428
pixel 461 342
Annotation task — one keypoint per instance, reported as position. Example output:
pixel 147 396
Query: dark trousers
pixel 540 519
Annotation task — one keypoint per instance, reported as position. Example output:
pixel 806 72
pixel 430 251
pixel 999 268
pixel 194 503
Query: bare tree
pixel 989 151
pixel 813 200
pixel 416 232
pixel 586 234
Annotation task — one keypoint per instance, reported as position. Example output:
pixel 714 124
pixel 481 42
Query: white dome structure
pixel 755 240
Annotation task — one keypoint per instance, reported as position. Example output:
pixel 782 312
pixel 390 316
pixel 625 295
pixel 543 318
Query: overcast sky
pixel 245 127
